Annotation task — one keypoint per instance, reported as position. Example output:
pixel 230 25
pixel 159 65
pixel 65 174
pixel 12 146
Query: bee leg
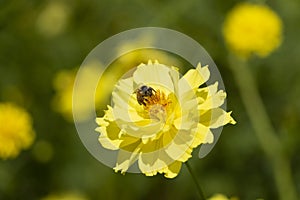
pixel 152 90
pixel 144 103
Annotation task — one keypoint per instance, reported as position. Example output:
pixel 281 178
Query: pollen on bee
pixel 158 98
pixel 156 105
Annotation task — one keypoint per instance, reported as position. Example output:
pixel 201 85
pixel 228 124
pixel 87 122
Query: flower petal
pixel 122 95
pixel 128 153
pixel 193 79
pixel 203 135
pixel 109 131
pixel 177 144
pixel 188 116
pixel 125 160
pixel 127 115
pixel 215 118
pixel 173 169
pixel 209 97
pixel 174 74
pixel 153 74
pixel 213 101
pixel 153 158
pixel 108 137
pixel 145 129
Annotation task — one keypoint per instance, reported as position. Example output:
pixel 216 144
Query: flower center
pixel 156 105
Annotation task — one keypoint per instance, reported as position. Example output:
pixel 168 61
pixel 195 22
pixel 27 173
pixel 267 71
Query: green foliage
pixel 32 53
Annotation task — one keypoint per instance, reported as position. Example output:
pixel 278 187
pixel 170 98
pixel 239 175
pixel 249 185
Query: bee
pixel 142 93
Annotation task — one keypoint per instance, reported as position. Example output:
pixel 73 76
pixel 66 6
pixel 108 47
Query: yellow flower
pixel 65 196
pixel 218 197
pixel 221 197
pixel 53 19
pixel 63 84
pixel 252 29
pixel 16 131
pixel 157 118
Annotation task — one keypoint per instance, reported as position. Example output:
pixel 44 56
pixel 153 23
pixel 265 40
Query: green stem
pixel 200 192
pixel 264 130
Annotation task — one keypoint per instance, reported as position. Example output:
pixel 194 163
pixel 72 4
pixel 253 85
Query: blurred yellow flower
pixel 65 196
pixel 158 118
pixel 53 19
pixel 16 132
pixel 218 197
pixel 134 58
pixel 63 84
pixel 252 29
pixel 221 197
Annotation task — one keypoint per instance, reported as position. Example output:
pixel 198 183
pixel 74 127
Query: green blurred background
pixel 38 39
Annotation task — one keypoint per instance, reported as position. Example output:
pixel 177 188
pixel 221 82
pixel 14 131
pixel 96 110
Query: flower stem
pixel 200 192
pixel 265 132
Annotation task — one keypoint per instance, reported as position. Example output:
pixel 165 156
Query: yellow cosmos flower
pixel 252 28
pixel 218 197
pixel 157 118
pixel 16 131
pixel 221 197
pixel 134 58
pixel 63 84
pixel 65 196
pixel 53 19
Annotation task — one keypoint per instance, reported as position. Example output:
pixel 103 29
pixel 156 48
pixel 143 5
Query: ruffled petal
pixel 158 161
pixel 173 169
pixel 122 93
pixel 193 79
pixel 108 137
pixel 125 160
pixel 174 75
pixel 128 153
pixel 213 101
pixel 156 73
pixel 188 116
pixel 210 97
pixel 153 158
pixel 146 129
pixel 127 115
pixel 109 131
pixel 177 144
pixel 215 118
pixel 203 135
pixel 124 102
